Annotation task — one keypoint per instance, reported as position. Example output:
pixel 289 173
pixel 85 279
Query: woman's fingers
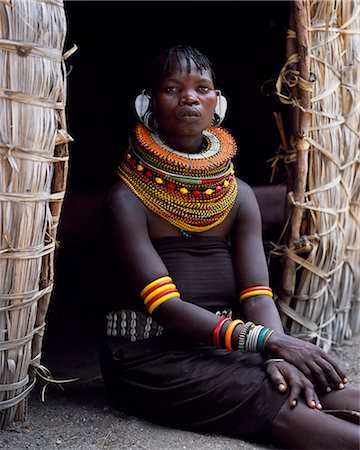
pixel 325 374
pixel 319 367
pixel 295 391
pixel 298 383
pixel 276 376
pixel 311 397
pixel 335 366
pixel 330 368
pixel 284 375
pixel 319 375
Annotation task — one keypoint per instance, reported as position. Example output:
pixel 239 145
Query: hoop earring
pixel 220 110
pixel 143 110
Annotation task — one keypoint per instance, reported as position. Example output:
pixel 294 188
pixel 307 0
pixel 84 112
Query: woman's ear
pixel 220 109
pixel 143 103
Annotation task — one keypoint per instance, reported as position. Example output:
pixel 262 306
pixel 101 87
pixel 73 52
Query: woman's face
pixel 184 103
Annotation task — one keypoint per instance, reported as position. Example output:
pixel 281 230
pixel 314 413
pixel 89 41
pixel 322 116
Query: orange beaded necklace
pixel 194 192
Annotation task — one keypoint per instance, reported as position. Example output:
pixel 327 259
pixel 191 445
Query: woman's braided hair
pixel 163 65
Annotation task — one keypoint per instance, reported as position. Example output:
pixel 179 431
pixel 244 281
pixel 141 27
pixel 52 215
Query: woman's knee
pixel 346 398
pixel 301 427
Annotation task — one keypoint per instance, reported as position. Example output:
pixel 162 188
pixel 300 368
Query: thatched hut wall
pixel 320 291
pixel 33 173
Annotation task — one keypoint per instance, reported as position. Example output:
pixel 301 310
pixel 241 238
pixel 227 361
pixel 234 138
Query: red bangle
pixel 217 330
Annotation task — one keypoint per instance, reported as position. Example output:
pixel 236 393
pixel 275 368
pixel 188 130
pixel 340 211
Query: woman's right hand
pixel 319 367
pixel 284 375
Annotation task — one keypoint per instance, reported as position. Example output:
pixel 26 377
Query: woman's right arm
pixel 142 265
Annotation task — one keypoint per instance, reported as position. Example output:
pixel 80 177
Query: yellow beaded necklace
pixel 194 192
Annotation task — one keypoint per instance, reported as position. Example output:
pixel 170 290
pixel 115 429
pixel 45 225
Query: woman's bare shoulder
pixel 119 192
pixel 245 195
pixel 120 197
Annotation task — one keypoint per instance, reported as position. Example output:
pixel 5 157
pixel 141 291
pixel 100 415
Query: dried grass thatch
pixel 319 296
pixel 33 173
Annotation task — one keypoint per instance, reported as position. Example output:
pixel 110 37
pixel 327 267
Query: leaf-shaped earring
pixel 220 109
pixel 143 110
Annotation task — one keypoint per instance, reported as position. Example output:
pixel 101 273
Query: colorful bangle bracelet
pixel 252 288
pixel 252 338
pixel 261 338
pixel 162 300
pixel 267 336
pixel 153 283
pixel 217 331
pixel 242 336
pixel 158 291
pixel 156 286
pixel 255 292
pixel 161 295
pixel 229 332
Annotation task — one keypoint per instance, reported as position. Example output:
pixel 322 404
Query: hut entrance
pixel 246 42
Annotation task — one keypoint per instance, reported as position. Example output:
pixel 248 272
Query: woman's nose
pixel 188 98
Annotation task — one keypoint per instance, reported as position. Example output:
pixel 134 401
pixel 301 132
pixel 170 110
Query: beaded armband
pixel 158 292
pixel 255 290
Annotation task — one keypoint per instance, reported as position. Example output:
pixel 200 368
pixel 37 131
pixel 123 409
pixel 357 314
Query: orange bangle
pixel 229 332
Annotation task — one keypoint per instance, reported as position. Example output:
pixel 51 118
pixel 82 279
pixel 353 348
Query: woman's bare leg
pixel 347 398
pixel 309 429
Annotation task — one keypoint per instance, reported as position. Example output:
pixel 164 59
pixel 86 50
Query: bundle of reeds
pixel 319 294
pixel 33 174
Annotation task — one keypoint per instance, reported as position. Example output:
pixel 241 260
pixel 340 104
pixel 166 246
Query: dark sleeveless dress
pixel 173 381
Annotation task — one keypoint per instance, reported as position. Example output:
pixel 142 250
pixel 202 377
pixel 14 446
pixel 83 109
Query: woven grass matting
pixel 33 172
pixel 319 296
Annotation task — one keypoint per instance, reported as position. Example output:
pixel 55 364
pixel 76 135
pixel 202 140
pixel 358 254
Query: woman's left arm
pixel 251 270
pixel 249 259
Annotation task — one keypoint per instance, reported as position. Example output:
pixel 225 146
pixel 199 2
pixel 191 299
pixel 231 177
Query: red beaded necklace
pixel 194 192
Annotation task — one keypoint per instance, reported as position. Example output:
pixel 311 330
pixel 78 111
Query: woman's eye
pixel 171 90
pixel 204 89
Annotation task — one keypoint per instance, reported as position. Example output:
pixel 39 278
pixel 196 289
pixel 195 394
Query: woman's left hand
pixel 319 367
pixel 284 375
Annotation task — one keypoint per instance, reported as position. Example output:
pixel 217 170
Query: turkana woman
pixel 197 341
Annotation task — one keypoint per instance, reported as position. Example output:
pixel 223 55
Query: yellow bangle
pixel 162 300
pixel 153 283
pixel 229 333
pixel 158 291
pixel 255 292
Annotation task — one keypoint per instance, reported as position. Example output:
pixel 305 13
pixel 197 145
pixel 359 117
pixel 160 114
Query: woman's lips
pixel 188 112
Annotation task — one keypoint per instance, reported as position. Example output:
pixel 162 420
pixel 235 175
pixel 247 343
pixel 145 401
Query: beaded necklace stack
pixel 193 192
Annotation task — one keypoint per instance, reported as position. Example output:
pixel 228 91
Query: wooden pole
pixel 300 122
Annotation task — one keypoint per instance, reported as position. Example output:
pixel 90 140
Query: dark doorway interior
pixel 244 40
pixel 246 43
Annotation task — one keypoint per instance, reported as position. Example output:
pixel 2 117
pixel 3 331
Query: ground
pixel 79 416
